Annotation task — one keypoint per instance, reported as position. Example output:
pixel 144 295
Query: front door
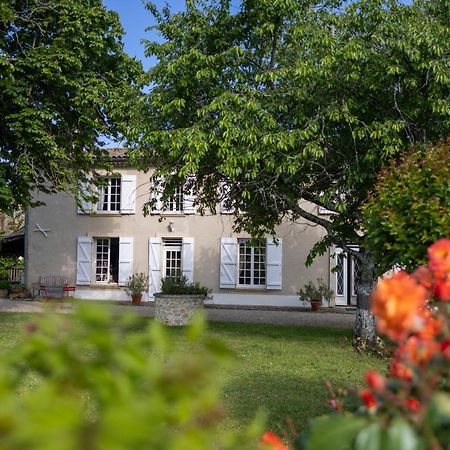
pixel 345 275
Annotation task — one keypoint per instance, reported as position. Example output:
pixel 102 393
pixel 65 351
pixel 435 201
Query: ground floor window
pixel 252 263
pixel 107 260
pixel 172 257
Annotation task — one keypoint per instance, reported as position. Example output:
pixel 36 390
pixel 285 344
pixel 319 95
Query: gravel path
pixel 281 316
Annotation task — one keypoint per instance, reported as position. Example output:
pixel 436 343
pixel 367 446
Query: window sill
pixel 104 286
pixel 250 288
pixel 169 213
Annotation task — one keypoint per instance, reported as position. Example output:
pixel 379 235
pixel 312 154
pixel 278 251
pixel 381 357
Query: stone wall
pixel 177 310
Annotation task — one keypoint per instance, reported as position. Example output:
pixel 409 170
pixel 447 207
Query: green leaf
pixel 401 436
pixel 369 438
pixel 334 432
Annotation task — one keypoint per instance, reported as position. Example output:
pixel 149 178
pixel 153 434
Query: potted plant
pixel 135 286
pixel 178 300
pixel 315 293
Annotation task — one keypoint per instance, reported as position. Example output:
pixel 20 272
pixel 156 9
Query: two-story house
pixel 98 246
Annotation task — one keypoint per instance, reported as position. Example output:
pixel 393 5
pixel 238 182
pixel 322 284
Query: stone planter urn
pixel 177 310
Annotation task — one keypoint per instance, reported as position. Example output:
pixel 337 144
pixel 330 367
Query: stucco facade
pixel 56 233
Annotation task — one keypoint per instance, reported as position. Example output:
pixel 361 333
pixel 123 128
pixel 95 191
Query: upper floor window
pixel 116 195
pixel 176 202
pixel 181 201
pixel 109 195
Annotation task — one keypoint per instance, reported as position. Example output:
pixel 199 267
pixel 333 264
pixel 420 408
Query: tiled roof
pixel 117 153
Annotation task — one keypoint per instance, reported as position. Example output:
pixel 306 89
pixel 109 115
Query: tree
pixel 295 100
pixel 410 207
pixel 65 85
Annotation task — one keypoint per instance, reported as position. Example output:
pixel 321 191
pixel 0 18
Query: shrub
pixel 136 284
pixel 315 291
pixel 5 284
pixel 96 380
pixel 9 262
pixel 181 286
pixel 410 208
pixel 409 407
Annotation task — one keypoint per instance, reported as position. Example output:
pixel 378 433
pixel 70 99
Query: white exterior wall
pixel 56 254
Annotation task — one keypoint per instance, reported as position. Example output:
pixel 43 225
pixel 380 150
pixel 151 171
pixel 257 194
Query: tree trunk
pixel 364 331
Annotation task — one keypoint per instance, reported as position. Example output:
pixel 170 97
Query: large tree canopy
pixel 289 101
pixel 65 84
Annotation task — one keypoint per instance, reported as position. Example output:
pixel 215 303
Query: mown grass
pixel 281 370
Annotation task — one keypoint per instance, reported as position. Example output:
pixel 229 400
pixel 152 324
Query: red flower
pixel 271 441
pixel 368 399
pixel 396 302
pixel 439 257
pixel 413 404
pixel 442 288
pixel 445 348
pixel 375 381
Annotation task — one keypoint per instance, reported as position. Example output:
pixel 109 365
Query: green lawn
pixel 279 369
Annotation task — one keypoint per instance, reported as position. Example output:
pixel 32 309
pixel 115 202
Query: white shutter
pixel 228 262
pixel 189 196
pixel 274 261
pixel 187 258
pixel 84 260
pixel 224 193
pixel 156 195
pixel 125 259
pixel 154 265
pixel 86 206
pixel 128 194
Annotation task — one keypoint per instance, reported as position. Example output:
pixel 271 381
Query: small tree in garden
pixel 410 207
pixel 408 408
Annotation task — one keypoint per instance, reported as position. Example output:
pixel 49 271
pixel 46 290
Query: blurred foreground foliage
pixel 97 381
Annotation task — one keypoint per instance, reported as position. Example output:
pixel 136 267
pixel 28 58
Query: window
pixel 176 202
pixel 252 263
pixel 106 260
pixel 109 195
pixel 172 248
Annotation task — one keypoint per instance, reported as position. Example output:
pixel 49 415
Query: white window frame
pixel 175 203
pixel 263 249
pixel 111 183
pixel 169 244
pixel 108 260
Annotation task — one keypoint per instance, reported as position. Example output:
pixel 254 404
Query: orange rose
pixel 439 257
pixel 396 302
pixel 417 351
pixel 400 370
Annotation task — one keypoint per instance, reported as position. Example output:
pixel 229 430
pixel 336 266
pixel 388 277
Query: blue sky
pixel 135 19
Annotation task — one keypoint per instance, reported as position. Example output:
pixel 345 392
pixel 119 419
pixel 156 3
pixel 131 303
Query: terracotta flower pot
pixel 316 304
pixel 136 299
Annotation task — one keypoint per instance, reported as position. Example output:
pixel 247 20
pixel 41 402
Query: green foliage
pixel 4 284
pixel 181 286
pixel 65 82
pixel 315 291
pixel 410 207
pixel 9 262
pixel 282 101
pixel 137 284
pixel 93 381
